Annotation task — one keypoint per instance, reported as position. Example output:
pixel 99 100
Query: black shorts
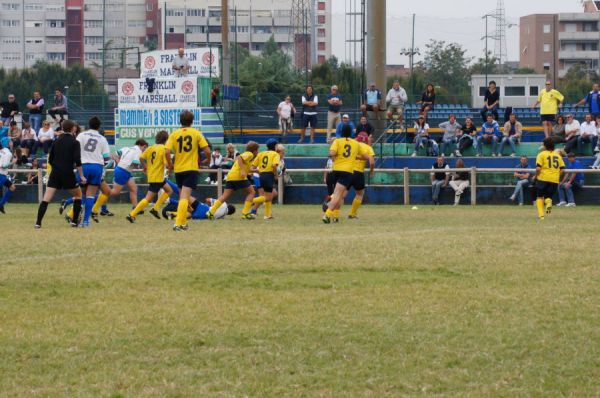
pixel 188 179
pixel 58 180
pixel 358 181
pixel 155 186
pixel 329 180
pixel 235 185
pixel 370 107
pixel 547 118
pixel 343 178
pixel 309 119
pixel 267 181
pixel 545 189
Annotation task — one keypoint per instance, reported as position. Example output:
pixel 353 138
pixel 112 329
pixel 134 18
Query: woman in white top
pixel 422 139
pixel 46 136
pixel 286 112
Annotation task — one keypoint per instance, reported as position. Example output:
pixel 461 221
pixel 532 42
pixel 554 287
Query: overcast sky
pixel 450 20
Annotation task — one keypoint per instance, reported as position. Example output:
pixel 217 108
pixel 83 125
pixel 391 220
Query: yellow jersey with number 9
pixel 185 144
pixel 346 150
pixel 359 164
pixel 236 173
pixel 551 163
pixel 155 163
pixel 267 161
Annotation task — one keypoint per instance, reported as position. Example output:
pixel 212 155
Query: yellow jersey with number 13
pixel 155 163
pixel 347 150
pixel 185 144
pixel 551 164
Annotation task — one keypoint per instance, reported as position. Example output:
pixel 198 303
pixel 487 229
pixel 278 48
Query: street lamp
pixel 410 53
pixel 486 16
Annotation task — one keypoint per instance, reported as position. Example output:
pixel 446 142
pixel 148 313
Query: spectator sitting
pixel 490 133
pixel 345 121
pixel 491 102
pixel 364 126
pixel 9 109
pixel 396 98
pixel 570 182
pixel 558 130
pixel 14 133
pixel 422 139
pixel 450 129
pixel 29 140
pixel 572 132
pixel 46 136
pixel 513 130
pixel 371 100
pixel 32 178
pixel 230 156
pixel 19 160
pixel 523 179
pixel 427 101
pixel 467 136
pixel 60 107
pixel 597 148
pixel 588 133
pixel 439 180
pixel 460 181
pixel 216 161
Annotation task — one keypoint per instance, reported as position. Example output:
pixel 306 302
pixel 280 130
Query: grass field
pixel 442 301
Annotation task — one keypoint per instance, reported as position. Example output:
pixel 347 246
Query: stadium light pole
pixel 486 16
pixel 103 52
pixel 411 52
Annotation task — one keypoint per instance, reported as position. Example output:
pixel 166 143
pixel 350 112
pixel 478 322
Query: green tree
pixel 479 67
pixel 577 82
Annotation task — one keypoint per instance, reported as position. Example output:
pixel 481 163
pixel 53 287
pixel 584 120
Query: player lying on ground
pixel 199 211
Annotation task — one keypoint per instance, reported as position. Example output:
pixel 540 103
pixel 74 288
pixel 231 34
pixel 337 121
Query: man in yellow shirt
pixel 185 145
pixel 549 166
pixel 237 178
pixel 154 161
pixel 266 164
pixel 358 179
pixel 550 100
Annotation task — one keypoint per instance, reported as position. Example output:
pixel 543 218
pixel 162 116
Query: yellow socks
pixel 548 203
pixel 140 206
pixel 258 200
pixel 102 199
pixel 161 199
pixel 355 205
pixel 268 209
pixel 329 213
pixel 182 209
pixel 247 207
pixel 215 206
pixel 336 213
pixel 540 207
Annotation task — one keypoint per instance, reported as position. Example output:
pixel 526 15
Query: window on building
pixel 11 40
pixel 93 56
pixel 55 23
pixel 590 27
pixel 261 14
pixel 175 12
pixel 196 28
pixel 56 56
pixel 34 40
pixel 321 46
pixel 321 59
pixel 11 6
pixel 10 23
pixel 55 7
pixel 93 40
pixel 514 91
pixel 570 27
pixel 546 28
pixel 214 13
pixel 92 7
pixel 214 29
pixel 196 12
pixel 114 23
pixel 55 40
pixel 171 29
pixel 534 91
pixel 321 6
pixel 149 23
pixel 92 23
pixel 321 32
pixel 33 7
pixel 282 29
pixel 262 29
pixel 149 7
pixel 321 19
pixel 9 56
pixel 546 47
pixel 136 23
pixel 34 24
pixel 282 13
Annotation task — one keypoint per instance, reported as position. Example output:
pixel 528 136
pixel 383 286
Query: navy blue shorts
pixel 545 189
pixel 358 181
pixel 343 178
pixel 267 181
pixel 188 179
pixel 156 186
pixel 309 119
pixel 235 185
pixel 547 118
pixel 93 173
pixel 5 181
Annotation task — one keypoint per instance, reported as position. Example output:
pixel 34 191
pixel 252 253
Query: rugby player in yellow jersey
pixel 549 166
pixel 358 179
pixel 344 151
pixel 266 163
pixel 154 162
pixel 237 178
pixel 185 144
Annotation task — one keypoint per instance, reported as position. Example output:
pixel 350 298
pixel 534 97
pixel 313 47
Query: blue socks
pixel 89 204
pixel 7 194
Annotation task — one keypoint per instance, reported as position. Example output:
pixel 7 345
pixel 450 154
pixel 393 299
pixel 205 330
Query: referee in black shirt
pixel 64 156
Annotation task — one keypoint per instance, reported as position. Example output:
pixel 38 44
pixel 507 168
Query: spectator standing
pixel 592 100
pixel 371 100
pixel 449 138
pixel 60 107
pixel 216 162
pixel 572 133
pixel 214 97
pixel 522 180
pixel 439 179
pixel 181 64
pixel 550 100
pixel 597 148
pixel 427 100
pixel 310 101
pixel 9 109
pixel 491 102
pixel 570 182
pixel 395 100
pixel 29 140
pixel 589 133
pixel 345 121
pixel 467 136
pixel 513 130
pixel 490 134
pixel 364 126
pixel 286 112
pixel 334 105
pixel 558 130
pixel 14 133
pixel 460 181
pixel 36 108
pixel 46 136
pixel 422 139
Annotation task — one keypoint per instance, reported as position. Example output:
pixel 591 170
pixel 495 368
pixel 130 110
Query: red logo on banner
pixel 208 58
pixel 127 88
pixel 149 62
pixel 187 87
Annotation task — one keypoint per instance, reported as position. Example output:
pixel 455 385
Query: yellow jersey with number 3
pixel 551 164
pixel 360 164
pixel 267 162
pixel 185 144
pixel 236 173
pixel 347 150
pixel 155 163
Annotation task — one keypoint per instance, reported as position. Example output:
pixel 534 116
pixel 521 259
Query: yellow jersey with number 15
pixel 185 144
pixel 267 162
pixel 346 151
pixel 155 163
pixel 236 173
pixel 551 164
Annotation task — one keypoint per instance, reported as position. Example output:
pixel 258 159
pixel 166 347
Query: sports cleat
pixel 541 218
pixel 336 220
pixel 209 215
pixel 268 218
pixel 2 209
pixel 351 217
pixel 130 218
pixel 185 227
pixel 248 216
pixel 171 215
pixel 68 219
pixel 62 207
pixel 95 217
pixel 106 213
pixel 326 219
pixel 37 226
pixel 548 209
pixel 84 225
pixel 73 225
pixel 154 212
pixel 179 228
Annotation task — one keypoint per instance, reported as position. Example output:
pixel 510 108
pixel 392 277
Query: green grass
pixel 442 301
